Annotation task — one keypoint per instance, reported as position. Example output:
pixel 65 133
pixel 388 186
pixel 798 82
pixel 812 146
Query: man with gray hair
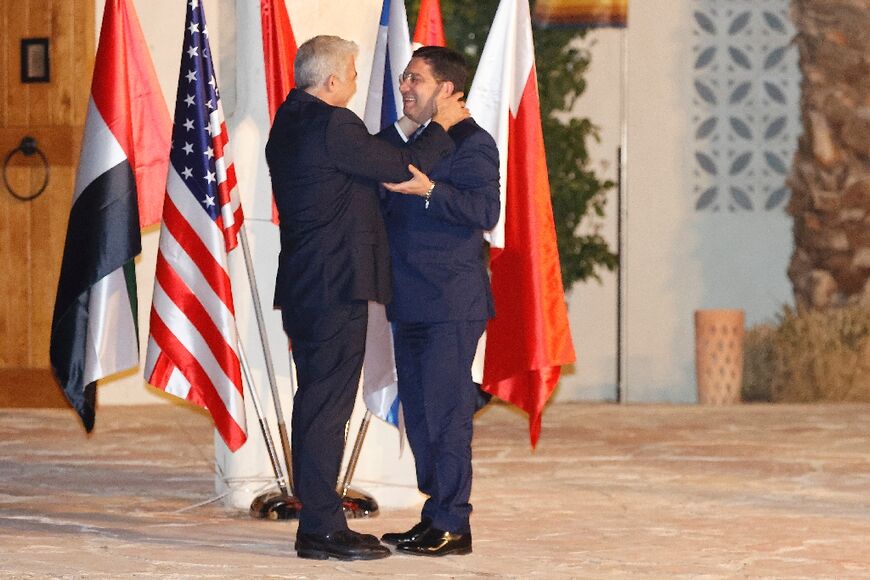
pixel 334 259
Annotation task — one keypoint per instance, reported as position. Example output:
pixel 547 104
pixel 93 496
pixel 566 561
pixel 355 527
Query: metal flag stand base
pixel 275 505
pixel 281 505
pixel 358 504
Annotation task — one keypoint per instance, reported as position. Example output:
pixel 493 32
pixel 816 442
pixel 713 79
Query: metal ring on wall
pixel 28 148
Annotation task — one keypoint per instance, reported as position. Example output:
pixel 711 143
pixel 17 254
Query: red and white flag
pixel 119 189
pixel 279 52
pixel 529 339
pixel 192 347
pixel 429 30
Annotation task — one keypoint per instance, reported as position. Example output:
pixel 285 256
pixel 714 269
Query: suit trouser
pixel 433 361
pixel 328 347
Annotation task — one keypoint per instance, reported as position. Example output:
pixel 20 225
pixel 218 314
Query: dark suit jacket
pixel 325 167
pixel 437 254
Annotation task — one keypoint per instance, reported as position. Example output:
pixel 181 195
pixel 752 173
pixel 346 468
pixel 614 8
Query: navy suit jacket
pixel 325 167
pixel 438 253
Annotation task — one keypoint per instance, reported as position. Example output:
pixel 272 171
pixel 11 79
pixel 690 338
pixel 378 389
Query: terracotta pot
pixel 719 356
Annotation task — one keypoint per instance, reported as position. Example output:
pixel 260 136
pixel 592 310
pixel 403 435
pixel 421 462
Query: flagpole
pixel 354 456
pixel 267 354
pixel 271 505
pixel 355 503
pixel 622 218
pixel 264 426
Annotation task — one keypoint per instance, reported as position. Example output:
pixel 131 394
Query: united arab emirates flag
pixel 125 152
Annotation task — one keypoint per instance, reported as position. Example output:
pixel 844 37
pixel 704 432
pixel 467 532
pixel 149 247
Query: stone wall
pixel 830 179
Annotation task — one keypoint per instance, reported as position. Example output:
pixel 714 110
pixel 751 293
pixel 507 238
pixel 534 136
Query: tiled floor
pixel 611 492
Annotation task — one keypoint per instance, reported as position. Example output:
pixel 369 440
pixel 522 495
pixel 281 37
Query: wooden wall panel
pixel 32 233
pixel 49 222
pixel 4 60
pixel 39 94
pixel 62 36
pixel 85 24
pixel 17 95
pixel 15 282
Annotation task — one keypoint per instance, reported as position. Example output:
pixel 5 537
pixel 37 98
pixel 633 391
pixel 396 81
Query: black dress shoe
pixel 414 533
pixel 367 538
pixel 435 542
pixel 364 538
pixel 341 545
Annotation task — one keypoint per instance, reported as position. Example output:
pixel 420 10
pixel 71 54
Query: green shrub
pixel 758 363
pixel 809 355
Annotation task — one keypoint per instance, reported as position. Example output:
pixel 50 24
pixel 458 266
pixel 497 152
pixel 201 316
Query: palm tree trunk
pixel 830 178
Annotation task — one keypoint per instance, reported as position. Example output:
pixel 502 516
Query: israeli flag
pixel 383 105
pixel 392 54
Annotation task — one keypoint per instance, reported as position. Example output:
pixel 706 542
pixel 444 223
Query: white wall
pixel 592 305
pixel 677 259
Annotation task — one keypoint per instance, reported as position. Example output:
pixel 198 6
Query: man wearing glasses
pixel 441 299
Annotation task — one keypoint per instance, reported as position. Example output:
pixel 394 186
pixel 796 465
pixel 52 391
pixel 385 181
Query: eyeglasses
pixel 410 78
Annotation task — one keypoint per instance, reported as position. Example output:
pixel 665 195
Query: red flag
pixel 429 30
pixel 126 92
pixel 279 52
pixel 192 348
pixel 529 340
pixel 119 188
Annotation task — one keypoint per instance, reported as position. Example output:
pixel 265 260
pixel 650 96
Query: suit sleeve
pixel 358 153
pixel 391 135
pixel 471 197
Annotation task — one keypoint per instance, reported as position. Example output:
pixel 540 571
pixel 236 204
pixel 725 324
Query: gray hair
pixel 319 57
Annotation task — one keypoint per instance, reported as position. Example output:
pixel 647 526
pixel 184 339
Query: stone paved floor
pixel 611 492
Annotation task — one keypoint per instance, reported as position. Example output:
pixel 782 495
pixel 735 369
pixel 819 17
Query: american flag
pixel 193 340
